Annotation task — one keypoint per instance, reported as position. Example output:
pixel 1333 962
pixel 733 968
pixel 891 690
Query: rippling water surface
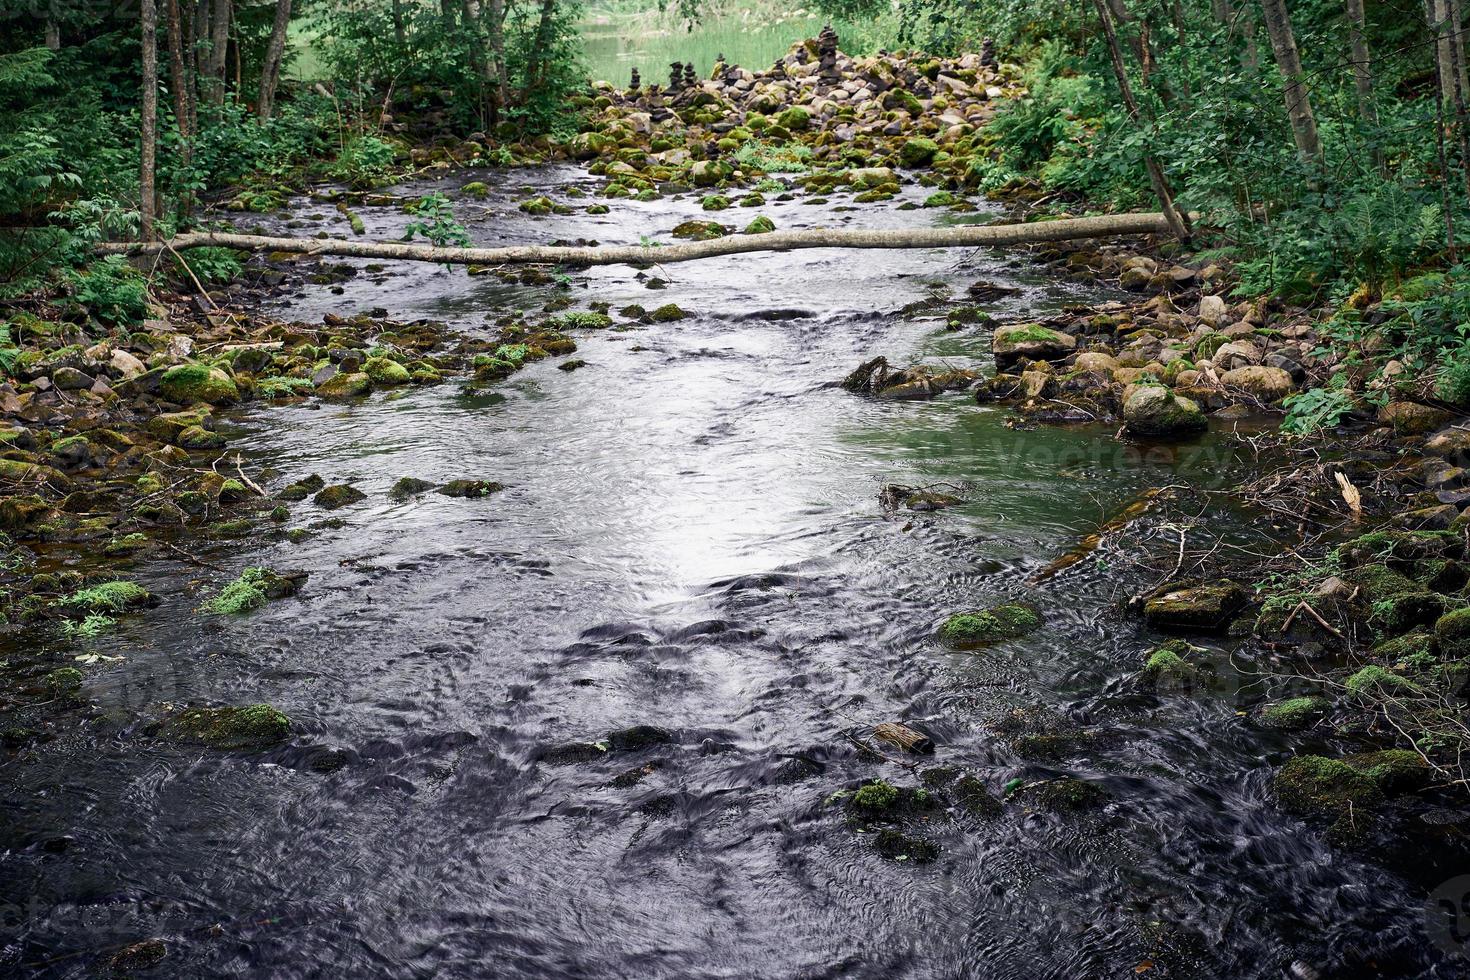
pixel 692 538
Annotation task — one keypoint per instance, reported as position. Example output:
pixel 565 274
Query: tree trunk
pixel 959 236
pixel 179 82
pixel 53 34
pixel 148 130
pixel 540 43
pixel 219 44
pixel 1298 100
pixel 399 34
pixel 497 48
pixel 1362 66
pixel 1156 178
pixel 270 71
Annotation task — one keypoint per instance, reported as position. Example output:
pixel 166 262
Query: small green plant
pixel 212 265
pixel 1317 408
pixel 774 158
pixel 434 214
pixel 247 592
pixel 9 353
pixel 93 624
pixel 109 597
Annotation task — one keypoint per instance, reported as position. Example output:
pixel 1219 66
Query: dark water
pixel 692 538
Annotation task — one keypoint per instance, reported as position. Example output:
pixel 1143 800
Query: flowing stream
pixel 691 538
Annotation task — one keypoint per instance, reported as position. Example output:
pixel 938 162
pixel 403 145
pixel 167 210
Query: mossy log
pixel 968 236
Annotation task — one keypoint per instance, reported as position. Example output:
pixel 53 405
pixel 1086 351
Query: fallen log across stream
pixel 965 236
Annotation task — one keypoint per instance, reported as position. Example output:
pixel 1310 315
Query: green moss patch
pixel 1003 622
pixel 253 726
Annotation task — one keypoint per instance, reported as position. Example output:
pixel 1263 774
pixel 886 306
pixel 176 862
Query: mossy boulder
pixel 1155 412
pixel 760 226
pixel 1065 795
pixel 1165 668
pixel 1393 771
pixel 875 798
pixel 1373 683
pixel 198 438
pixel 699 231
pixel 940 199
pixel 407 487
pixel 1206 606
pixel 386 371
pixel 253 726
pixel 336 496
pixel 715 202
pixel 108 597
pixel 1293 714
pixel 302 488
pixel 897 845
pixel 472 489
pixel 538 206
pixel 1313 785
pixel 253 589
pixel 344 385
pixel 1452 631
pixel 668 313
pixel 1011 343
pixel 796 118
pixel 975 798
pixel 188 384
pixel 917 152
pixel 1003 622
pixel 476 189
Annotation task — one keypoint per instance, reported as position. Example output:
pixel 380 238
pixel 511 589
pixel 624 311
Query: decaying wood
pixel 967 236
pixel 904 737
pixel 1137 508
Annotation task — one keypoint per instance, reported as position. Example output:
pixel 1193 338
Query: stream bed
pixel 692 538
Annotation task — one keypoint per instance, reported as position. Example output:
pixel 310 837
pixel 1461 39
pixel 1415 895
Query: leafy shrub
pixel 365 160
pixel 112 291
pixel 434 219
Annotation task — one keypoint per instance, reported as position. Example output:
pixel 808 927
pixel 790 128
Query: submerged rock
pixel 302 489
pixel 1003 622
pixel 407 487
pixel 470 488
pixel 253 726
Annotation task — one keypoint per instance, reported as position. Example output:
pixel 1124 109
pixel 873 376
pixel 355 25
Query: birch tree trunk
pixel 53 34
pixel 148 130
pixel 958 236
pixel 1298 99
pixel 1156 178
pixel 270 71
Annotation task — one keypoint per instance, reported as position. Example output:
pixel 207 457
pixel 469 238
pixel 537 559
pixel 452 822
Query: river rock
pixel 1269 384
pixel 1452 443
pixel 1412 418
pixel 1156 412
pixel 1096 361
pixel 126 365
pixel 1030 340
pixel 1206 606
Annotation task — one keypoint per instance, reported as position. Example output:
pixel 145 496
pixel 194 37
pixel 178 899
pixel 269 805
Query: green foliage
pixel 774 158
pixel 1317 408
pixel 213 266
pixel 247 592
pixel 112 290
pixel 434 219
pixel 365 161
pixel 109 597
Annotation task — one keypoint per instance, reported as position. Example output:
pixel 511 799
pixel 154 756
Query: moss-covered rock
pixel 344 385
pixel 668 313
pixel 796 119
pixel 1155 412
pixel 253 589
pixel 191 383
pixel 1064 795
pixel 1003 622
pixel 253 726
pixel 877 797
pixel 1393 771
pixel 1165 668
pixel 917 152
pixel 760 226
pixel 1293 714
pixel 1010 344
pixel 386 371
pixel 303 488
pixel 470 488
pixel 108 597
pixel 197 439
pixel 1312 785
pixel 407 487
pixel 1374 683
pixel 975 798
pixel 337 495
pixel 897 845
pixel 1206 606
pixel 1452 631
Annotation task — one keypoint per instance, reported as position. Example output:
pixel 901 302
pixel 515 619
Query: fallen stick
pixel 965 236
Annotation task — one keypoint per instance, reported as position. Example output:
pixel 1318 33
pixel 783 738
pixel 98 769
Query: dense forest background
pixel 1324 144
